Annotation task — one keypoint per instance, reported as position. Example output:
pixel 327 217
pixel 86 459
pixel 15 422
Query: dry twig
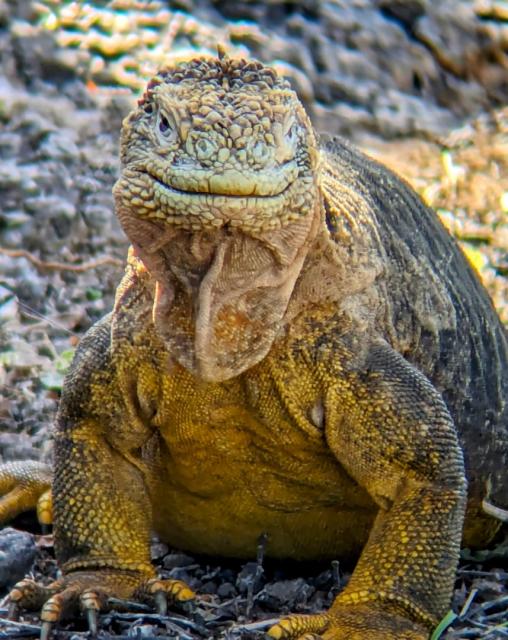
pixel 42 265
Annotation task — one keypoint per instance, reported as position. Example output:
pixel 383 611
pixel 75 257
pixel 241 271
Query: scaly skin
pixel 297 349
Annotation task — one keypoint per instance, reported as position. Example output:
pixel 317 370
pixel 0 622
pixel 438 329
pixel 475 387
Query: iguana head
pixel 218 195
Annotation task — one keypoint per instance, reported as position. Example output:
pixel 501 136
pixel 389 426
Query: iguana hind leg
pixel 23 486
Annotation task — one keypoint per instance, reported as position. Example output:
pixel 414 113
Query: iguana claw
pixel 91 618
pixel 160 591
pixel 12 611
pixel 161 603
pixel 91 603
pixel 46 629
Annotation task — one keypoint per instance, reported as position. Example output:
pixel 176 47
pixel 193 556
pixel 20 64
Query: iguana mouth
pixel 252 202
pixel 219 194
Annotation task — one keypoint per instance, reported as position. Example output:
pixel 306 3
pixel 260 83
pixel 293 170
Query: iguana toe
pixel 160 591
pixel 28 594
pixel 299 626
pixel 44 508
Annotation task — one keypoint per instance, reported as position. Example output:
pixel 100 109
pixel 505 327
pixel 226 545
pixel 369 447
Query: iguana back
pixel 431 306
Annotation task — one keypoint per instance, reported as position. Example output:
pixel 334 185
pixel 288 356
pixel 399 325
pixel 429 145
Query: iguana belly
pixel 231 526
pixel 221 498
pixel 238 462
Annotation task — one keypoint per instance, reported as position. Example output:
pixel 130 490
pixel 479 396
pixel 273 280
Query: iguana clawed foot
pixel 344 622
pixel 89 592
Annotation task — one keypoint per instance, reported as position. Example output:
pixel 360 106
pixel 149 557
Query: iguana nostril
pixel 260 152
pixel 204 148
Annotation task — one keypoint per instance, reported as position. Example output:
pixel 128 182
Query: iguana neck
pixel 220 298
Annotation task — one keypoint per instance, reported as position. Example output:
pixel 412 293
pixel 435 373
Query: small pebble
pixel 226 590
pixel 142 631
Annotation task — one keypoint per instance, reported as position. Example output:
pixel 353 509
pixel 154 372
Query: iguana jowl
pixel 297 349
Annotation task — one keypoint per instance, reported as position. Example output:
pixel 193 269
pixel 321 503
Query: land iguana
pixel 297 349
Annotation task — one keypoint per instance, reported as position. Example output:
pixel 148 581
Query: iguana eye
pixel 291 134
pixel 164 126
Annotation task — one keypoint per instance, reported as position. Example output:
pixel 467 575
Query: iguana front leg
pixel 102 532
pixel 101 501
pixel 391 431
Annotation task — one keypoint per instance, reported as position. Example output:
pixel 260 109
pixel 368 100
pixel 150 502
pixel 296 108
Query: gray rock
pixel 33 126
pixel 10 174
pixel 52 205
pixel 8 305
pixel 17 553
pixel 251 577
pixel 142 631
pixel 158 549
pixel 16 446
pixel 173 560
pixel 97 215
pixel 208 587
pixel 59 145
pixel 286 593
pixel 10 144
pixel 87 184
pixel 13 219
pixel 397 111
pixel 226 590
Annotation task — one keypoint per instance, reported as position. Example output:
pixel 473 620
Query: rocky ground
pixel 69 72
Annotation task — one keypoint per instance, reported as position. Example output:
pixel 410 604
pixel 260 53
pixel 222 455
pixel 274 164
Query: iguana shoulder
pixel 428 303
